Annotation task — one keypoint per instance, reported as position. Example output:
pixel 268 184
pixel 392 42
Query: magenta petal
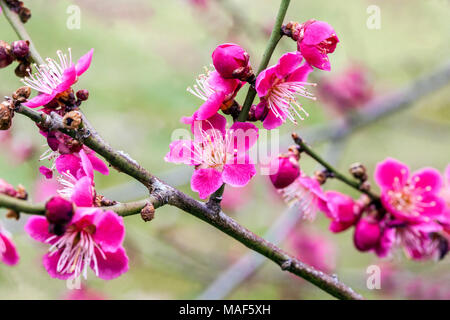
pixel 50 264
pixel 428 180
pixel 301 73
pixel 264 81
pixel 386 242
pixel 206 182
pixel 115 264
pixel 98 164
pixel 272 121
pixel 389 170
pixel 110 230
pixel 84 62
pixel 243 136
pixel 215 122
pixel 317 32
pixel 87 165
pixel 288 63
pixel 46 172
pixel 10 256
pixel 431 205
pixel 68 163
pixel 238 175
pixel 210 106
pixel 181 151
pixel 315 57
pixel 37 228
pixel 40 100
pixel 69 77
pixel 83 193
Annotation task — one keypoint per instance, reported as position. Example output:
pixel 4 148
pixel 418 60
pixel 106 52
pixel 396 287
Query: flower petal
pixel 238 175
pixel 10 256
pixel 287 64
pixel 83 193
pixel 84 62
pixel 86 164
pixel 50 262
pixel 69 77
pixel 210 107
pixel 46 172
pixel 429 180
pixel 39 100
pixel 68 163
pixel 181 151
pixel 97 163
pixel 37 228
pixel 206 182
pixel 110 231
pixel 242 135
pixel 389 171
pixel 115 264
pixel 272 121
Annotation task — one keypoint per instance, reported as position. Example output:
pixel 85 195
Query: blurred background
pixel 147 53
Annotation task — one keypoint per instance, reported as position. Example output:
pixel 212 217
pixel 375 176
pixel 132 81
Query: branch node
pixel 148 212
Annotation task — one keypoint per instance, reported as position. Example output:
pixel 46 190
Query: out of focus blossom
pixel 343 211
pixel 8 252
pixel 231 61
pixel 347 91
pixel 284 169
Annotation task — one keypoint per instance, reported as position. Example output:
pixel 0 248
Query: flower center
pixel 325 46
pixel 77 249
pixel 283 102
pixel 202 89
pixel 408 198
pixel 49 76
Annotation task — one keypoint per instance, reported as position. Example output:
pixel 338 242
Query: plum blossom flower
pixel 217 93
pixel 306 192
pixel 278 86
pixel 315 40
pixel 8 252
pixel 412 198
pixel 55 77
pixel 284 169
pixel 341 209
pixel 92 239
pixel 77 179
pixel 219 155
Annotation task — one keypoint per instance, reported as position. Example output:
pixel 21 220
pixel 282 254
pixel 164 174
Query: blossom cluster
pixel 412 212
pixel 220 155
pixel 80 234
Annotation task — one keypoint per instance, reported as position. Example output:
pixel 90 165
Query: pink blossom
pixel 278 86
pixel 341 209
pixel 92 239
pixel 216 91
pixel 314 249
pixel 219 155
pixel 349 90
pixel 54 78
pixel 284 169
pixel 84 294
pixel 77 178
pixel 307 193
pixel 231 61
pixel 412 198
pixel 316 39
pixel 8 252
pixel 8 189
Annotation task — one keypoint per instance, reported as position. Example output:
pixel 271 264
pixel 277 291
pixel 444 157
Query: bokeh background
pixel 146 54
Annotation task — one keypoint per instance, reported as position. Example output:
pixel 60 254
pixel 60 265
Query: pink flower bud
pixel 286 170
pixel 367 234
pixel 231 61
pixel 315 39
pixel 20 48
pixel 58 211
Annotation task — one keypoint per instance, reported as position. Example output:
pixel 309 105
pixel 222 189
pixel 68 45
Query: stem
pixel 275 36
pixel 336 174
pixel 20 30
pixel 23 206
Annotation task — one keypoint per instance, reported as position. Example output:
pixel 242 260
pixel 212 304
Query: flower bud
pixel 286 170
pixel 82 95
pixel 22 69
pixel 58 211
pixel 367 234
pixel 231 61
pixel 7 189
pixel 72 120
pixel 6 115
pixel 24 14
pixel 359 171
pixel 20 48
pixel 6 57
pixel 148 212
pixel 22 94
